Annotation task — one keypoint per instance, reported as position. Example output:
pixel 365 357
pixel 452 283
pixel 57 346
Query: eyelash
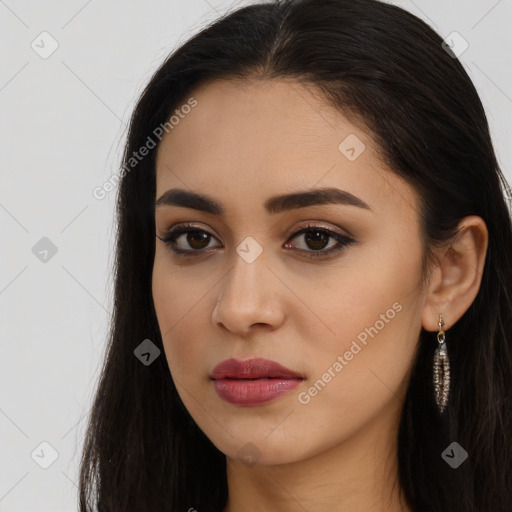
pixel 343 240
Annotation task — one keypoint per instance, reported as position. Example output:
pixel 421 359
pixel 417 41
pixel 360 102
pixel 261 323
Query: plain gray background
pixel 63 121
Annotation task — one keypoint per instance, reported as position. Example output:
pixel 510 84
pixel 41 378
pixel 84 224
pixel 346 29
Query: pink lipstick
pixel 253 381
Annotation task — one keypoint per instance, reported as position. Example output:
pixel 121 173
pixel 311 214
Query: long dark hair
pixel 381 66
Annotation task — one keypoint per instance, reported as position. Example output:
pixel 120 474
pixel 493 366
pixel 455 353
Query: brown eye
pixel 187 239
pixel 316 239
pixel 197 239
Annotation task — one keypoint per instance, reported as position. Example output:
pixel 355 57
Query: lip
pixel 253 381
pixel 252 369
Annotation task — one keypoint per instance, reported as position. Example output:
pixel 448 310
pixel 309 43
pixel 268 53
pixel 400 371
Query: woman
pixel 312 302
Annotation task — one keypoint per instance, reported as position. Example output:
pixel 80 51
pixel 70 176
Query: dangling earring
pixel 441 370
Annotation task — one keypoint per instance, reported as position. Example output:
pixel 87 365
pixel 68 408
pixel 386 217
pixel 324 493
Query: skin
pixel 241 144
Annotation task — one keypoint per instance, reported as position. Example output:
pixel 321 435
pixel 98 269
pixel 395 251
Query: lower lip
pixel 253 392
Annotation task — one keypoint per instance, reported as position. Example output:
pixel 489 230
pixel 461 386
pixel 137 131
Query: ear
pixel 455 280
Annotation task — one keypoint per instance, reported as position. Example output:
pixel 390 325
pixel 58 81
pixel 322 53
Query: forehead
pixel 254 139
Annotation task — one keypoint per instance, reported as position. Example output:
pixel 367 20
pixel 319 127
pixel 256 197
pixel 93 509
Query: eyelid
pixel 312 224
pixel 184 226
pixel 344 239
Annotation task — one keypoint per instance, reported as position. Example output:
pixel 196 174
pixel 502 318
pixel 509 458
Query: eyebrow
pixel 277 204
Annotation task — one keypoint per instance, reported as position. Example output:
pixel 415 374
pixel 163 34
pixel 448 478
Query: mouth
pixel 254 381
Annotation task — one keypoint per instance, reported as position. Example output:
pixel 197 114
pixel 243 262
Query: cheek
pixel 373 313
pixel 355 384
pixel 180 309
pixel 175 294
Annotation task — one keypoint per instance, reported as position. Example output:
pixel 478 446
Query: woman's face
pixel 344 316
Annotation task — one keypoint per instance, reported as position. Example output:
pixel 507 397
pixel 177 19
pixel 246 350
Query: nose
pixel 249 299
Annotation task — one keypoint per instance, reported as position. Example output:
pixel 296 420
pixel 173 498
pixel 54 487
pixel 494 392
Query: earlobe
pixel 456 279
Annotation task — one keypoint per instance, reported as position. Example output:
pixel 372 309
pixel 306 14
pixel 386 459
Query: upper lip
pixel 252 369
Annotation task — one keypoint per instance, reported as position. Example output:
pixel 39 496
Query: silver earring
pixel 441 370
